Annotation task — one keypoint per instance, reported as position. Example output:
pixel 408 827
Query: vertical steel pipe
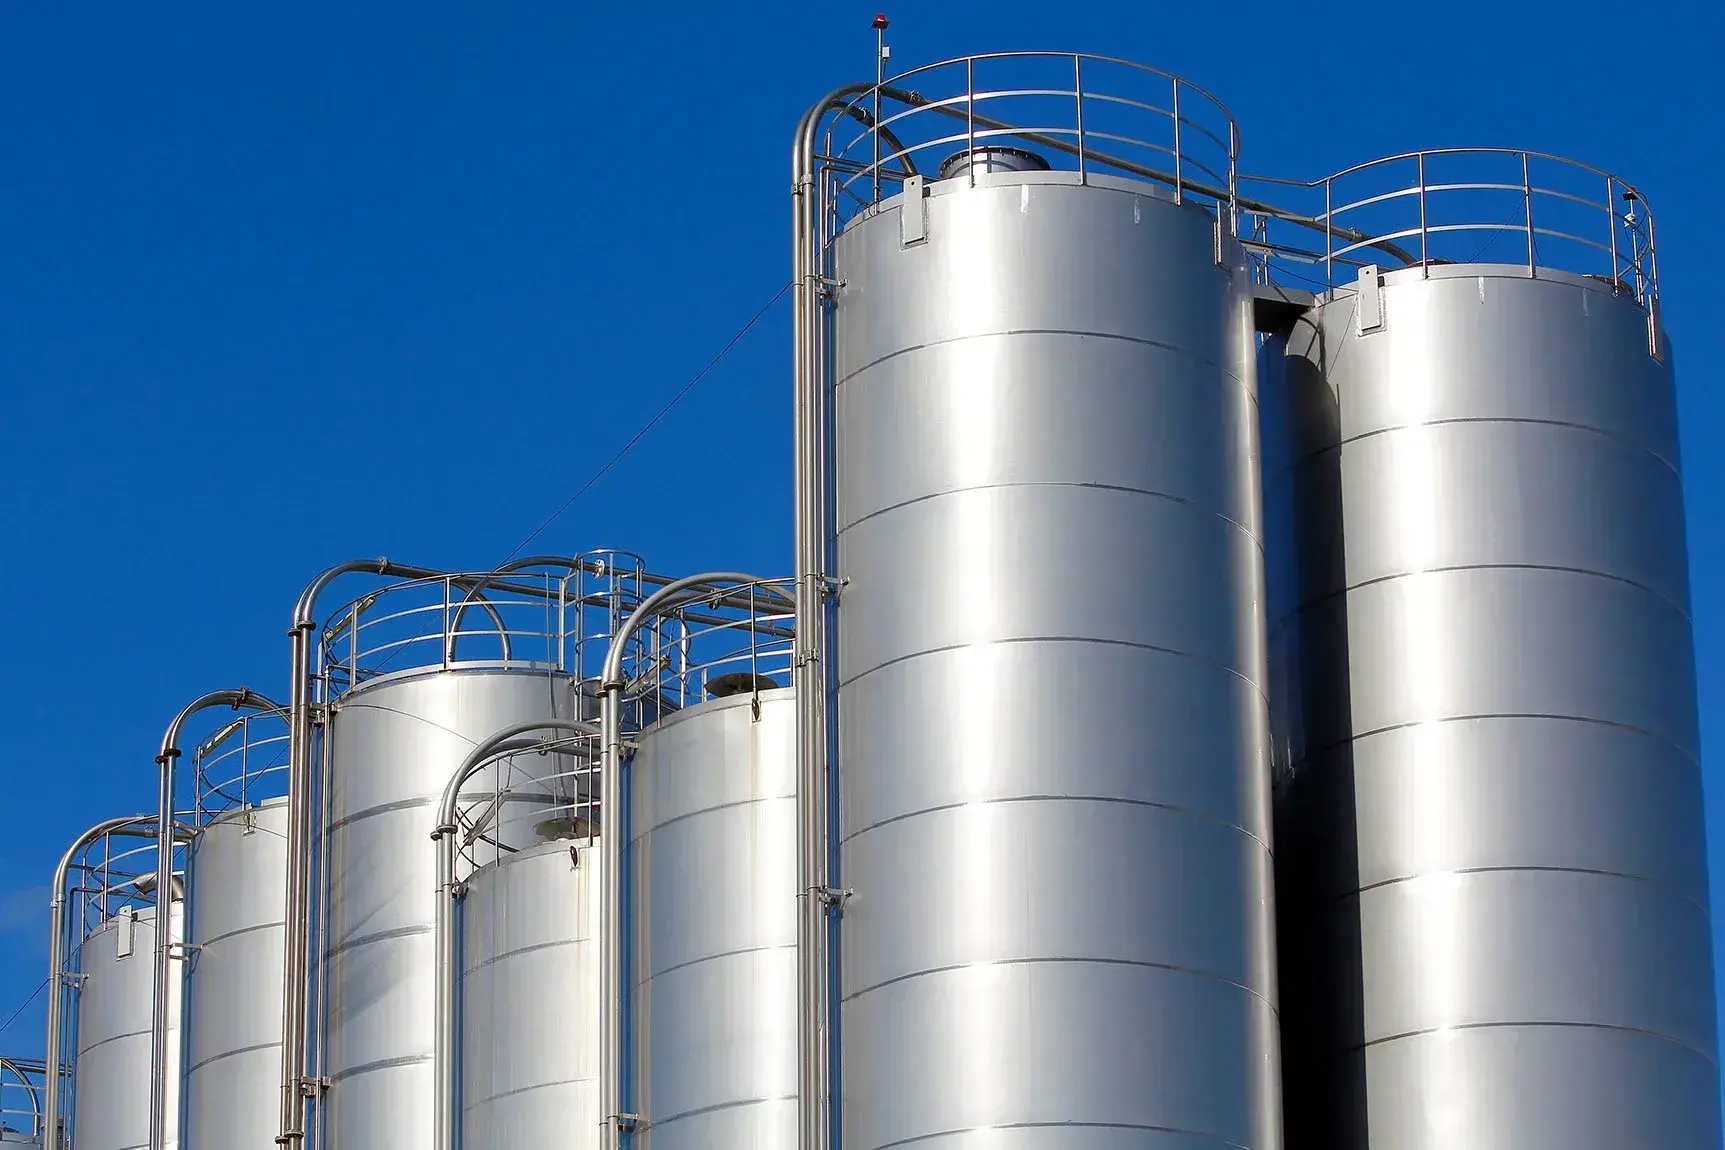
pixel 238 699
pixel 808 677
pixel 614 1057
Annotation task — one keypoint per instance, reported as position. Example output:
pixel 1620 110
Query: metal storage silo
pixel 394 744
pixel 518 1021
pixel 530 993
pixel 713 884
pixel 237 883
pixel 1053 851
pixel 1490 780
pixel 418 674
pixel 238 874
pixel 111 1094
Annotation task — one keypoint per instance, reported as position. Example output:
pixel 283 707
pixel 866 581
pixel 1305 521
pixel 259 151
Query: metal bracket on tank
pixel 183 950
pixel 834 898
pixel 319 713
pixel 1371 300
pixel 828 288
pixel 629 1123
pixel 913 212
pixel 314 1087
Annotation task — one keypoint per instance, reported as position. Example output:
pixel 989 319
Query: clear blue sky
pixel 286 285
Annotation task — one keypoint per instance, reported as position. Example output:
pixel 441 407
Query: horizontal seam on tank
pixel 1100 640
pixel 1328 448
pixel 382 1064
pixel 717 1107
pixel 413 804
pixel 1547 1025
pixel 1330 596
pixel 674 820
pixel 1257 541
pixel 380 936
pixel 209 942
pixel 1185 353
pixel 1311 753
pixel 533 949
pixel 491 1098
pixel 1594 872
pixel 1074 1125
pixel 1068 798
pixel 1136 964
pixel 113 1038
pixel 200 1064
pixel 715 958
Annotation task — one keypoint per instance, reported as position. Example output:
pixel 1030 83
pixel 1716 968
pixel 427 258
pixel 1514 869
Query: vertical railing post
pixel 1425 256
pixel 1329 234
pixel 1179 178
pixel 1527 212
pixel 1234 185
pixel 1652 262
pixel 448 643
pixel 1078 95
pixel 1611 223
pixel 970 119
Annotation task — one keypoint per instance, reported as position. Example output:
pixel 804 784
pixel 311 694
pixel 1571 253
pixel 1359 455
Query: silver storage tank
pixel 713 910
pixel 111 1078
pixel 1487 717
pixel 1053 777
pixel 530 1000
pixel 394 743
pixel 238 888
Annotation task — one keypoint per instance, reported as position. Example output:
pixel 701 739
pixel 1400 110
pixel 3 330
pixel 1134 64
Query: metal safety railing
pixel 1457 206
pixel 240 764
pixel 716 642
pixel 1062 111
pixel 542 618
pixel 112 876
pixel 546 783
pixel 21 1096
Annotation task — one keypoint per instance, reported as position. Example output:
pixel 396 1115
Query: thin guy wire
pixel 26 1006
pixel 651 423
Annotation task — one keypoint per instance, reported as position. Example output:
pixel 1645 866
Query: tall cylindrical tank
pixel 1053 778
pixel 394 743
pixel 530 1000
pixel 1489 799
pixel 713 890
pixel 237 889
pixel 111 1083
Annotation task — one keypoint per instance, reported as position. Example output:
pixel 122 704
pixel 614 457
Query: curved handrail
pixel 1597 224
pixel 1188 126
pixel 27 1082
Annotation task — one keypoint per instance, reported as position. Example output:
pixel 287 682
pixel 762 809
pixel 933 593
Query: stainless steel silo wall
pixel 111 1100
pixel 394 745
pixel 237 895
pixel 531 1000
pixel 713 903
pixel 1489 799
pixel 1053 733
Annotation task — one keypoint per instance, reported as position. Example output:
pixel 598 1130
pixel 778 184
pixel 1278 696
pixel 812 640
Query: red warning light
pixel 880 21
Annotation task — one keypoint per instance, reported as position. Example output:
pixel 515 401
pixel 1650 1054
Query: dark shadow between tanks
pixel 1317 860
